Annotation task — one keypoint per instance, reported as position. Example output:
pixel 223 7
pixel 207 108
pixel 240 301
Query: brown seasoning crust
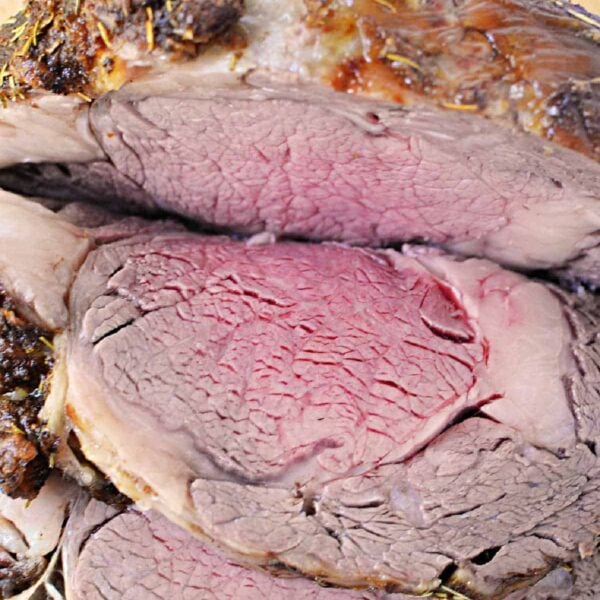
pixel 533 63
pixel 72 46
pixel 17 575
pixel 26 360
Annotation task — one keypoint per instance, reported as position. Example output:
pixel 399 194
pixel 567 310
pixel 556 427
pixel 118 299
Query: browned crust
pixel 73 46
pixel 17 575
pixel 26 360
pixel 101 488
pixel 535 64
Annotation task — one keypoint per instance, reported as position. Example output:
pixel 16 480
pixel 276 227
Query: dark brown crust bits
pixel 25 362
pixel 575 111
pixel 535 64
pixel 196 22
pixel 75 46
pixel 17 575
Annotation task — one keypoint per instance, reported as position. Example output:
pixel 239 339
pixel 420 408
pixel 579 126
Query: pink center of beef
pixel 290 361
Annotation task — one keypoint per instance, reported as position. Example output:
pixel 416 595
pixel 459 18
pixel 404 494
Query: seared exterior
pixel 91 46
pixel 25 361
pixel 535 65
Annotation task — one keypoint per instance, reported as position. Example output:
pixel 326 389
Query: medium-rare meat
pixel 289 400
pixel 258 138
pixel 236 156
pixel 283 394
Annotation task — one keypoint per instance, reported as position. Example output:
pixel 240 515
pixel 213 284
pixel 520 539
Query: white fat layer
pixel 529 348
pixel 39 255
pixel 11 539
pixel 147 467
pixel 47 128
pixel 53 415
pixel 543 235
pixel 36 525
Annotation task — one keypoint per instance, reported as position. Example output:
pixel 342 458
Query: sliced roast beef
pixel 312 164
pixel 366 418
pixel 169 563
pixel 264 135
pixel 282 395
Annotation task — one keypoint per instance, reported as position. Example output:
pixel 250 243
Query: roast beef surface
pixel 362 417
pixel 253 137
pixel 533 64
pixel 308 163
pixel 282 393
pixel 89 46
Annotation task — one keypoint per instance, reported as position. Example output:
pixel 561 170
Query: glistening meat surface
pixel 279 392
pixel 303 349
